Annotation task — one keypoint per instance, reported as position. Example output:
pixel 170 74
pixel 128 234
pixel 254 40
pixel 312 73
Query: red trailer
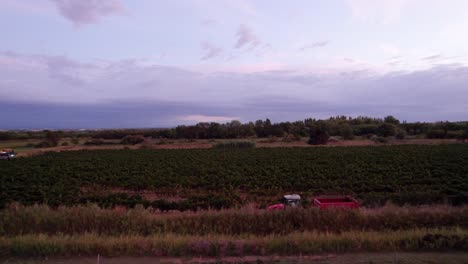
pixel 336 202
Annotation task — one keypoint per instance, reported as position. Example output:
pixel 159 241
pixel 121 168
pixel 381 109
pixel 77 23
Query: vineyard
pixel 411 174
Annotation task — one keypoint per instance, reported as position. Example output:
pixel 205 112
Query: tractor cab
pixel 289 200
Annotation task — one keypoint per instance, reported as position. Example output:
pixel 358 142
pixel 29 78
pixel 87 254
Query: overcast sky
pixel 146 63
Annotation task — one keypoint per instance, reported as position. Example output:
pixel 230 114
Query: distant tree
pixel 132 140
pixel 386 130
pixel 391 120
pixel 53 137
pixel 346 132
pixel 464 136
pixel 318 135
pixel 75 140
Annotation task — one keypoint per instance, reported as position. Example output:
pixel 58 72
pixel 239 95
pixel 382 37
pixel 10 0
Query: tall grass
pixel 21 220
pixel 221 245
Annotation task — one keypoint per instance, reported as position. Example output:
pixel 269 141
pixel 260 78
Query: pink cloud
pixel 246 36
pixel 87 11
pixel 210 51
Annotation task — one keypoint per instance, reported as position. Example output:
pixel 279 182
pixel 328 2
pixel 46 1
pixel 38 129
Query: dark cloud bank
pixel 57 92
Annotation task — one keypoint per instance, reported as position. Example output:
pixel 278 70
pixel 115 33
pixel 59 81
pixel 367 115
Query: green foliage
pixel 464 135
pixel 235 145
pixel 132 140
pixel 386 130
pixel 414 174
pixel 95 142
pixel 318 134
pixel 75 140
pixel 391 120
pixel 53 137
pixel 45 144
pixel 346 132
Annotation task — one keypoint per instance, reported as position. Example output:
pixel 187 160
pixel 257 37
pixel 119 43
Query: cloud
pixel 57 91
pixel 245 37
pixel 319 44
pixel 432 57
pixel 210 51
pixel 81 12
pixel 205 118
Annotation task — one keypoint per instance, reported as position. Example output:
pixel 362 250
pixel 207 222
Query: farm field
pixel 185 179
pixel 182 204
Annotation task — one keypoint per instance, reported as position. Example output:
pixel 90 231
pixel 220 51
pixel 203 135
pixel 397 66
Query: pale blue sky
pixel 220 59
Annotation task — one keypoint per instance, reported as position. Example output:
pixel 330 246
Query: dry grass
pixel 20 220
pixel 219 245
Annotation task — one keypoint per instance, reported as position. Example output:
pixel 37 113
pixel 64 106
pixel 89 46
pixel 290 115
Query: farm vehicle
pixel 7 154
pixel 294 200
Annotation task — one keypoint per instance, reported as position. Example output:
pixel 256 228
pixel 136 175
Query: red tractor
pixel 290 200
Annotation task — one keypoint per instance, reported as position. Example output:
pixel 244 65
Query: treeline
pixel 342 126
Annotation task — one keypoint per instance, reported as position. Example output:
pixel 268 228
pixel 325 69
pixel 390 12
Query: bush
pixel 383 140
pixel 45 144
pixel 346 132
pixel 440 134
pixel 95 142
pixel 386 130
pixel 235 145
pixel 400 135
pixel 269 139
pixel 52 139
pixel 318 136
pixel 75 141
pixel 132 140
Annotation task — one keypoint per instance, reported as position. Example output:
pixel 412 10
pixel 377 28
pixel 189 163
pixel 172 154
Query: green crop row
pixel 413 174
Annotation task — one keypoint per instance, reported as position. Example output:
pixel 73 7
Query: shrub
pixel 95 142
pixel 235 145
pixel 45 144
pixel 75 141
pixel 346 132
pixel 386 130
pixel 381 140
pixel 401 135
pixel 318 136
pixel 132 140
pixel 53 137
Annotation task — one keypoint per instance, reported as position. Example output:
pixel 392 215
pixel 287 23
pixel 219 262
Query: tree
pixel 464 136
pixel 53 137
pixel 318 135
pixel 346 132
pixel 386 130
pixel 391 120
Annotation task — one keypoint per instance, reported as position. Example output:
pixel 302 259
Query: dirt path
pixel 358 258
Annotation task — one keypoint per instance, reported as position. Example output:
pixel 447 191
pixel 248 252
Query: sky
pixel 145 63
